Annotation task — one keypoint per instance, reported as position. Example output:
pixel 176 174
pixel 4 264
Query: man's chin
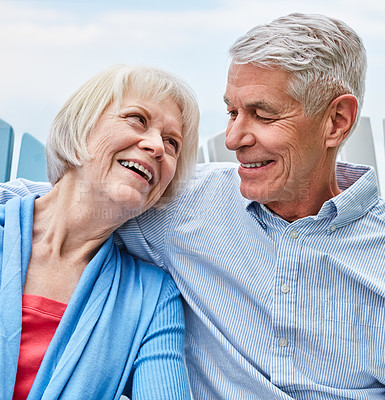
pixel 250 193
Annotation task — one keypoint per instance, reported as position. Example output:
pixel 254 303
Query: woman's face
pixel 134 150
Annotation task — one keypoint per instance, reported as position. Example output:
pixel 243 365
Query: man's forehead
pixel 243 74
pixel 248 81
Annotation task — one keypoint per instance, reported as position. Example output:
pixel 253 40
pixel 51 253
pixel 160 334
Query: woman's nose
pixel 152 142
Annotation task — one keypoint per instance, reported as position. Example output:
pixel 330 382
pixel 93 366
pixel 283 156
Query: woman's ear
pixel 342 115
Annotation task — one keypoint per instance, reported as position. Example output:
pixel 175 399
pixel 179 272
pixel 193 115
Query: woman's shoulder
pixel 147 273
pixel 17 209
pixel 149 285
pixel 2 215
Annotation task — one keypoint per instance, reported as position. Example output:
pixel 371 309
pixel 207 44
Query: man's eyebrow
pixel 260 105
pixel 226 100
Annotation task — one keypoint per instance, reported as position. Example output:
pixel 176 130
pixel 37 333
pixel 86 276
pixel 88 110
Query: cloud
pixel 47 26
pixel 49 48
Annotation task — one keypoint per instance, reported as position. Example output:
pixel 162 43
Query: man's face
pixel 281 151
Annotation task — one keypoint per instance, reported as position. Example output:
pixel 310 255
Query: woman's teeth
pixel 136 167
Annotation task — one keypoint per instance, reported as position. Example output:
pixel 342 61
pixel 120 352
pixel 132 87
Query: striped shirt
pixel 274 310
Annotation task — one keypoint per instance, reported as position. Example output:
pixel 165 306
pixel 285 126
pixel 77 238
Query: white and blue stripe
pixel 274 310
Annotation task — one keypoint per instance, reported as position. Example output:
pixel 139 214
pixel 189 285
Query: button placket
pixel 285 289
pixel 288 256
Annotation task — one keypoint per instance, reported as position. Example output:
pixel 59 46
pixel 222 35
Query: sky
pixel 48 48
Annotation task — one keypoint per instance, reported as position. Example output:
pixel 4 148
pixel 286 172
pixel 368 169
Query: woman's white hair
pixel 324 57
pixel 66 145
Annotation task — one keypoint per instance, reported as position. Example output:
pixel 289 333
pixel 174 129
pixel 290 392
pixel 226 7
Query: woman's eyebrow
pixel 127 107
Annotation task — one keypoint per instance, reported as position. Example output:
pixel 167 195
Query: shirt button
pixel 282 342
pixel 333 228
pixel 285 289
pixel 294 234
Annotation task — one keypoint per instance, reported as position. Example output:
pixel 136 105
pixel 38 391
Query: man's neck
pixel 305 203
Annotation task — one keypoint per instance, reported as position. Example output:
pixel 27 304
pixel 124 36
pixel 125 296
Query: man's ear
pixel 342 115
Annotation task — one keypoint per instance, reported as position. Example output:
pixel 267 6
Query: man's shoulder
pixel 22 187
pixel 214 174
pixel 211 182
pixel 379 209
pixel 215 168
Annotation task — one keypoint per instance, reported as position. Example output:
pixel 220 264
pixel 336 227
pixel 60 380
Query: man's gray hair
pixel 324 57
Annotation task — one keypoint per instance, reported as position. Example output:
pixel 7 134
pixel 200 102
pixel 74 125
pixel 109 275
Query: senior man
pixel 283 280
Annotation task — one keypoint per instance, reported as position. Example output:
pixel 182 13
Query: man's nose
pixel 239 134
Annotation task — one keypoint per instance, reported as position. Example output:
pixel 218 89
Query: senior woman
pixel 79 318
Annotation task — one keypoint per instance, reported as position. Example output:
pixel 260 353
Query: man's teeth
pixel 258 164
pixel 130 164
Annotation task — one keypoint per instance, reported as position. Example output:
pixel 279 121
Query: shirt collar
pixel 360 192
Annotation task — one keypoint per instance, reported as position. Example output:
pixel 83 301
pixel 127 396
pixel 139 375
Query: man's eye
pixel 232 114
pixel 264 119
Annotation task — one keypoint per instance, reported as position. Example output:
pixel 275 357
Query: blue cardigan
pixel 122 331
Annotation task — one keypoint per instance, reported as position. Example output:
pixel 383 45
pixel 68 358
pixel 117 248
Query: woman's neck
pixel 73 223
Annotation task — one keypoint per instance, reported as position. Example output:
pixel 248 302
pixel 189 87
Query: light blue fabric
pixel 250 279
pixel 275 310
pixel 125 316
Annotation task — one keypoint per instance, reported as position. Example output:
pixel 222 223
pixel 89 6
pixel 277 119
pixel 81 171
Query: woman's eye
pixel 137 118
pixel 174 144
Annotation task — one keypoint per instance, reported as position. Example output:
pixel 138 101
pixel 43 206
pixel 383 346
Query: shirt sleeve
pixel 144 237
pixel 22 187
pixel 159 371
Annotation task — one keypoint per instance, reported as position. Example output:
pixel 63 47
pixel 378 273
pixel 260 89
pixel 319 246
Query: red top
pixel 40 318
